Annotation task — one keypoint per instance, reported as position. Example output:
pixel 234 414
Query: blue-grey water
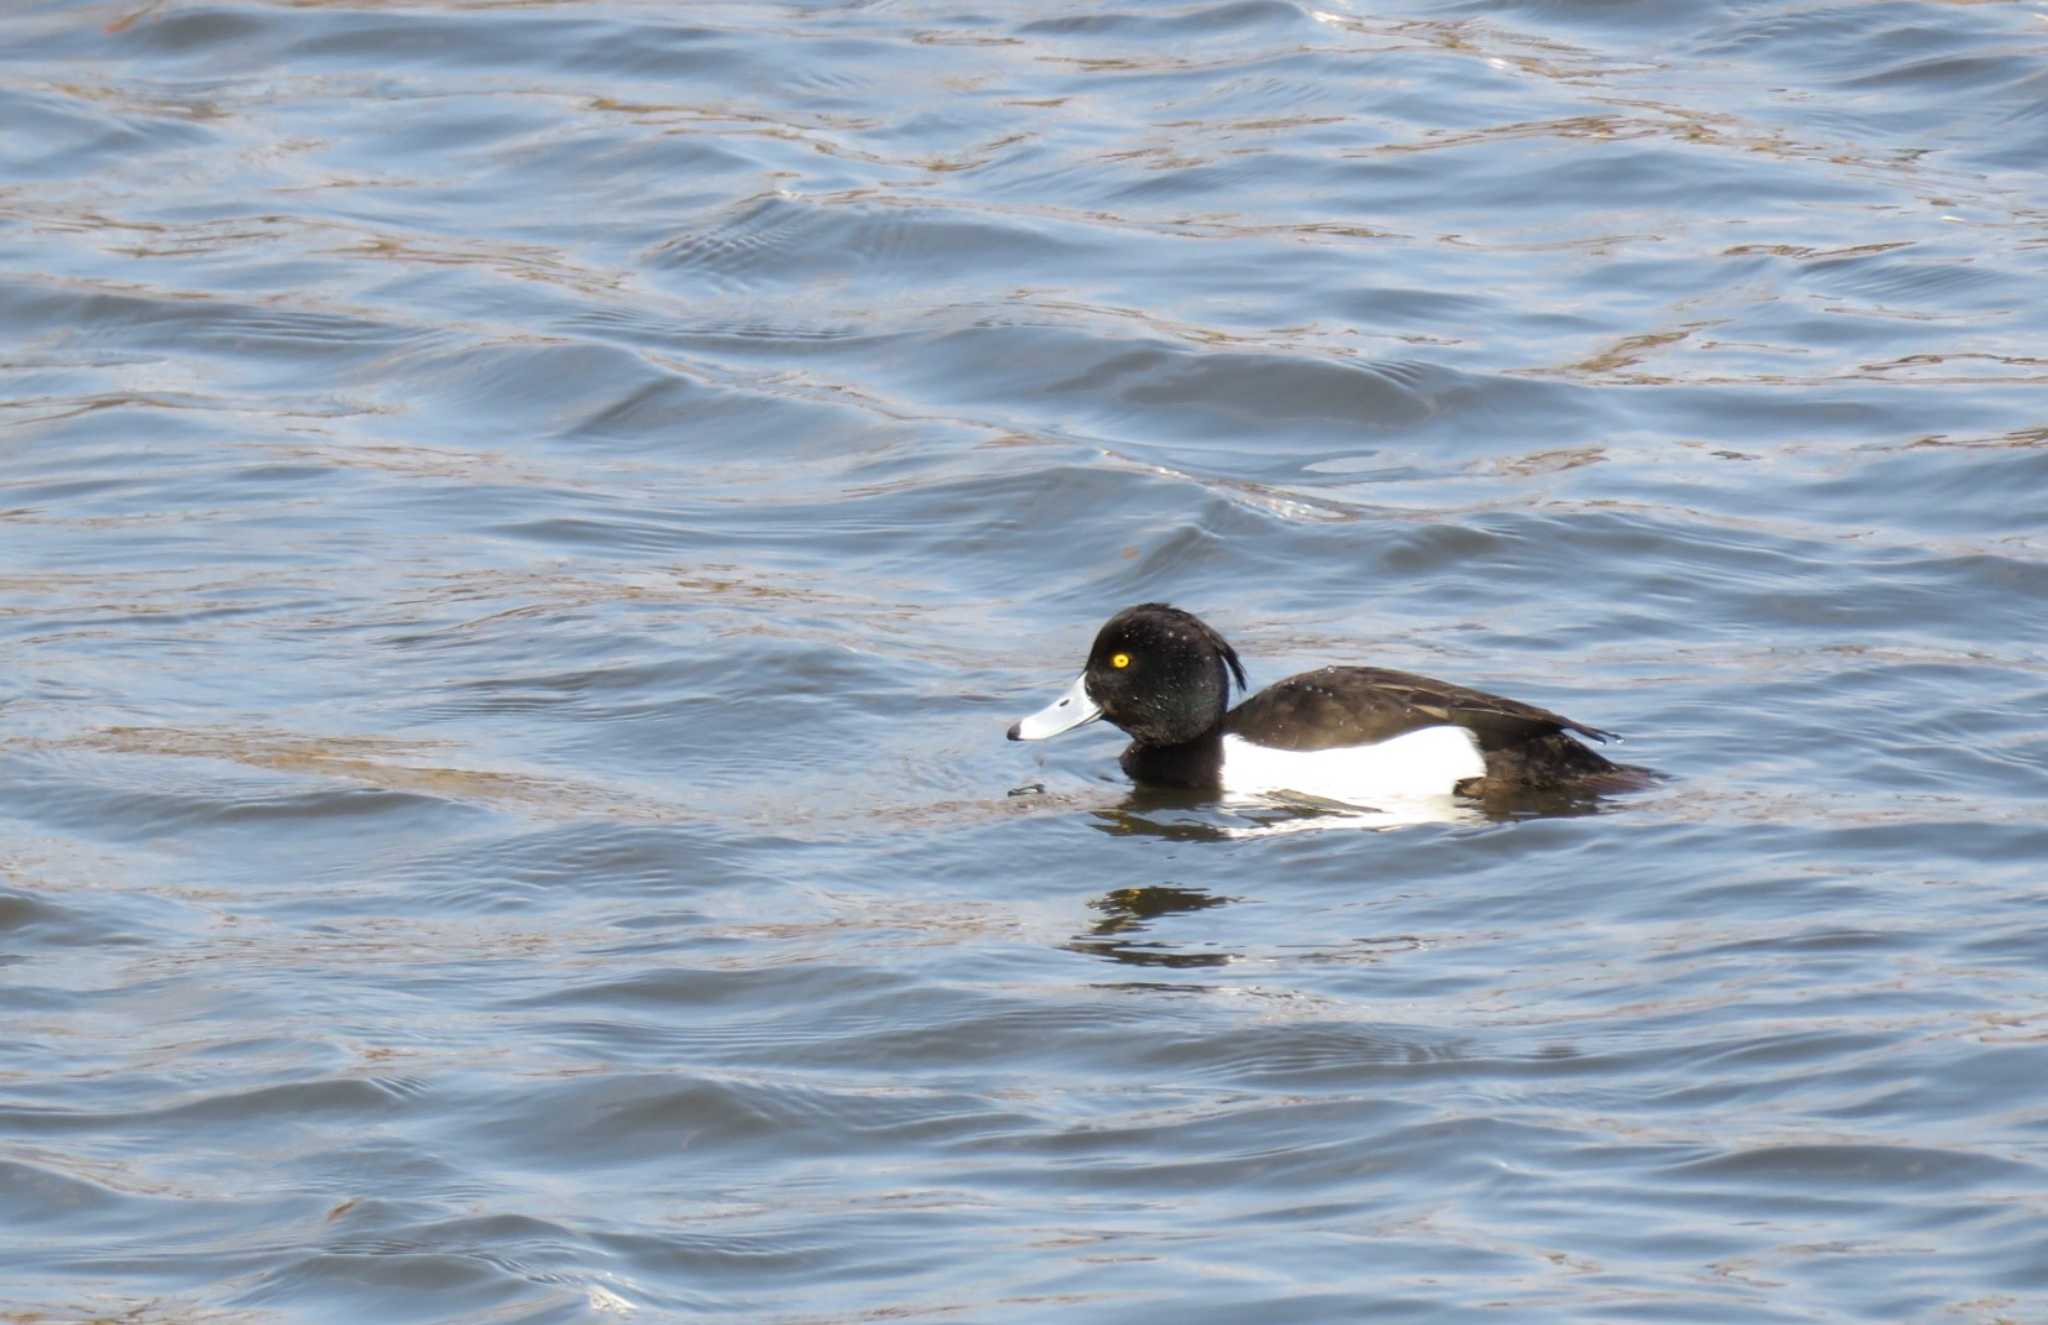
pixel 524 525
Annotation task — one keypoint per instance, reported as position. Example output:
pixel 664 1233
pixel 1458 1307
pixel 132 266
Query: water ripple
pixel 526 526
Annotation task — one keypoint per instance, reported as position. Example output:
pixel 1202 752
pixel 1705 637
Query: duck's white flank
pixel 1430 761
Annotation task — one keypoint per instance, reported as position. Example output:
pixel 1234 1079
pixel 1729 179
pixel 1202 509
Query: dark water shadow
pixel 1128 913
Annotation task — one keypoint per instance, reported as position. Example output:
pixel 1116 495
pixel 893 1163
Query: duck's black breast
pixel 1196 764
pixel 1340 706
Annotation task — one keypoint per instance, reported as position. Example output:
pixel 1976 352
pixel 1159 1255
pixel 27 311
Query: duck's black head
pixel 1159 673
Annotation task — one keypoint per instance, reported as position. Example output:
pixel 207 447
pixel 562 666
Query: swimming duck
pixel 1342 733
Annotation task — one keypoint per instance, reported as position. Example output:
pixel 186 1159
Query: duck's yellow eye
pixel 1119 660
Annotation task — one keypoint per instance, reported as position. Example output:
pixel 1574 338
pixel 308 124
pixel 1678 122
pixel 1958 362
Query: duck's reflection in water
pixel 1127 914
pixel 1199 817
pixel 1205 816
pixel 1125 918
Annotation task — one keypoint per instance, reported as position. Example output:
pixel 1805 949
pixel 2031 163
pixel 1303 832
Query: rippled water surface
pixel 524 525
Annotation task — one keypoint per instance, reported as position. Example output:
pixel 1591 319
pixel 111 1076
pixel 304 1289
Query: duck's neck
pixel 1197 763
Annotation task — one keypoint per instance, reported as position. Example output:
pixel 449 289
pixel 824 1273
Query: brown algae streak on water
pixel 400 766
pixel 365 759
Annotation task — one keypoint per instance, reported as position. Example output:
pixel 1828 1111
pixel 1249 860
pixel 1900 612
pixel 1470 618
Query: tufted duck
pixel 1343 733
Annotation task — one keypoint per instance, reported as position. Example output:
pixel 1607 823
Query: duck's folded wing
pixel 1339 706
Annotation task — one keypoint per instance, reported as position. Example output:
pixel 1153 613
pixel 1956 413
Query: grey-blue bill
pixel 1072 709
